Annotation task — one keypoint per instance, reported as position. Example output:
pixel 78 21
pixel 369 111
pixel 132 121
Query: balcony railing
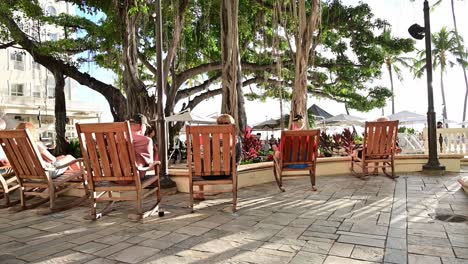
pixel 34 102
pixel 449 141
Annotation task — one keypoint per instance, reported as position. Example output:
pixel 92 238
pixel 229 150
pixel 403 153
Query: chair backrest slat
pixel 380 139
pixel 226 162
pixel 216 142
pixel 108 152
pixel 299 146
pixel 212 156
pixel 23 154
pixel 103 152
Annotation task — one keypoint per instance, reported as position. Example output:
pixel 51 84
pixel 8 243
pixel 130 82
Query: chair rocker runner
pixel 109 157
pixel 212 159
pixel 34 177
pixel 8 183
pixel 298 153
pixel 379 147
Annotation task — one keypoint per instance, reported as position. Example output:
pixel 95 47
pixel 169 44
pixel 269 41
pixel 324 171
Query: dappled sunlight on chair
pixel 109 156
pixel 211 162
pixel 379 149
pixel 298 154
pixel 34 176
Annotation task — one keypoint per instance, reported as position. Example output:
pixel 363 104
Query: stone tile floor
pixel 348 220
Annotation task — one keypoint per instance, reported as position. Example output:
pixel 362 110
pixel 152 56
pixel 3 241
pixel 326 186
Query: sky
pixel 410 94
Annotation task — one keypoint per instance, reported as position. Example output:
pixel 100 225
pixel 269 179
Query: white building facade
pixel 27 90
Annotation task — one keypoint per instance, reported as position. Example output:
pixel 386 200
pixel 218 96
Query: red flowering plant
pixel 251 145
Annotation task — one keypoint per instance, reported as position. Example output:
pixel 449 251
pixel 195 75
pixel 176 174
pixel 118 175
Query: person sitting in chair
pixel 298 124
pixel 143 145
pixel 50 160
pixel 224 119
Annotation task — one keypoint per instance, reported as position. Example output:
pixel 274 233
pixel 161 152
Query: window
pixel 37 91
pixel 51 11
pixel 17 90
pixel 50 91
pixel 18 60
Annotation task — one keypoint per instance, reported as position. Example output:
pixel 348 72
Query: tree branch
pixel 114 97
pixel 7 45
pixel 147 64
pixel 196 89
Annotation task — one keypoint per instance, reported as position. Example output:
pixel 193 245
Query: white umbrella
pixel 407 117
pixel 343 119
pixel 190 117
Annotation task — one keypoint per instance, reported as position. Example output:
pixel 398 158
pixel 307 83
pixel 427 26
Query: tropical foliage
pixel 346 55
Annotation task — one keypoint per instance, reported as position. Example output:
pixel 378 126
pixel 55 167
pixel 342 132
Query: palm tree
pixel 461 54
pixel 461 57
pixel 444 46
pixel 393 49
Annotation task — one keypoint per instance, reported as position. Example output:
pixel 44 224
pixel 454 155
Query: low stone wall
pixel 258 173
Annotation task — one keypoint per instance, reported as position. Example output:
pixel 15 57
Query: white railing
pixel 449 141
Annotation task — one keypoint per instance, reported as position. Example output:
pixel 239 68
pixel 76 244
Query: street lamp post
pixel 166 182
pixel 418 32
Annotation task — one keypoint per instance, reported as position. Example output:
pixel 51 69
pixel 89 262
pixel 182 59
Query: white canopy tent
pixel 407 117
pixel 344 120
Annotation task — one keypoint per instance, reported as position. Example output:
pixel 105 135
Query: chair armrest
pixel 69 163
pixel 150 167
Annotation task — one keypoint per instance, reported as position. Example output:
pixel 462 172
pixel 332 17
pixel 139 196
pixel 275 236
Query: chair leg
pixel 191 196
pixel 22 198
pixel 277 175
pixel 93 205
pixel 52 197
pixel 234 196
pixel 312 179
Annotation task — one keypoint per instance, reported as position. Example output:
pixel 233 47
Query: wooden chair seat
pixel 109 157
pixel 298 147
pixel 32 174
pixel 207 156
pixel 378 150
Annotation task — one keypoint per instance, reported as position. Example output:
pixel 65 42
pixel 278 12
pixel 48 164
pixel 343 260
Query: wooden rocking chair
pixel 298 152
pixel 8 183
pixel 33 176
pixel 109 157
pixel 379 147
pixel 211 162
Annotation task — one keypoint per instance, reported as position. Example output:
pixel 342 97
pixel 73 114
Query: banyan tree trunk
pixel 231 77
pixel 307 25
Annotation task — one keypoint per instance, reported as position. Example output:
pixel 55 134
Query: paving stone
pixel 112 249
pixel 22 232
pixel 395 256
pixel 307 257
pixel 461 252
pixel 431 250
pixel 368 253
pixel 134 254
pixel 418 259
pixel 261 258
pixel 340 260
pixel 397 232
pixel 396 243
pixel 370 229
pixel 90 247
pixel 319 247
pixel 361 241
pixel 341 250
